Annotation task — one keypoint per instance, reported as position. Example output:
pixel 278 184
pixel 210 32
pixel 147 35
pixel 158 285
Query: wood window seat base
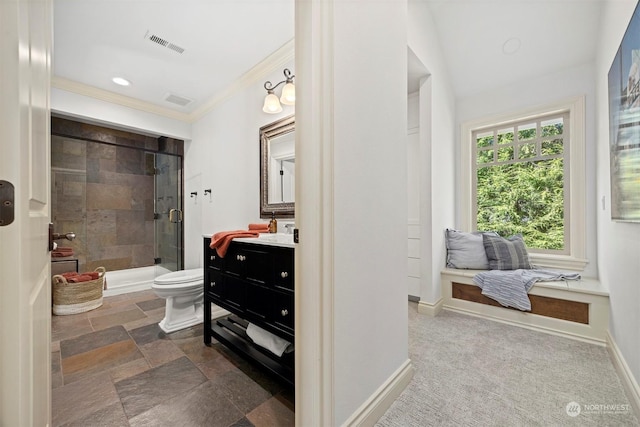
pixel 575 309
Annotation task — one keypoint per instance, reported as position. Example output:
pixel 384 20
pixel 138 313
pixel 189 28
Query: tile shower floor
pixel 113 366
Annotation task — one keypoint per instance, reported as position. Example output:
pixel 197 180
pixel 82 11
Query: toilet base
pixel 180 315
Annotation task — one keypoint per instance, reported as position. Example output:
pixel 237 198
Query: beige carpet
pixel 476 372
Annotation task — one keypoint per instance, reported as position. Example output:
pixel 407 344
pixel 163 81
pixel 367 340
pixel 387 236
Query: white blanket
pixel 510 287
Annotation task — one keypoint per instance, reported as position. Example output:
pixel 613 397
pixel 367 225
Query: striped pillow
pixel 506 254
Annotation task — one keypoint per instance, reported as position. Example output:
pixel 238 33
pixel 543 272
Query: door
pixel 25 281
pixel 168 213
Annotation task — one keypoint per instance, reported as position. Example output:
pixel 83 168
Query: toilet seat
pixel 181 276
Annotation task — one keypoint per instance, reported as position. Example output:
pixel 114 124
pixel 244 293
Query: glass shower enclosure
pixel 168 214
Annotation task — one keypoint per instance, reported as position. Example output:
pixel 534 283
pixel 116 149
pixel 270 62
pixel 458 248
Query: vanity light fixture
pixel 288 96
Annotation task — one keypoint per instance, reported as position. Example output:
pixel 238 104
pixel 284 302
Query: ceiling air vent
pixel 179 100
pixel 162 42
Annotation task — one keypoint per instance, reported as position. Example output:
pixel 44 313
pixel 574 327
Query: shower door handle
pixel 175 215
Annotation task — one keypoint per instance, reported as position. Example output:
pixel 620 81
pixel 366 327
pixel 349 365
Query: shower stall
pixel 122 195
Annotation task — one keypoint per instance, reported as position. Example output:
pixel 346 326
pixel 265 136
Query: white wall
pixel 104 113
pixel 540 91
pixel 225 150
pixel 437 148
pixel 618 242
pixel 370 199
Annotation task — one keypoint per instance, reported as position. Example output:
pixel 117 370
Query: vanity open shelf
pixel 255 282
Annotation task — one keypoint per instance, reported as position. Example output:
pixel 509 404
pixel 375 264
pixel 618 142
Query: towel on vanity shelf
pixel 221 241
pixel 266 339
pixel 259 227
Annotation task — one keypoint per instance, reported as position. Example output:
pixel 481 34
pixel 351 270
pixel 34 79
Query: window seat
pixel 577 309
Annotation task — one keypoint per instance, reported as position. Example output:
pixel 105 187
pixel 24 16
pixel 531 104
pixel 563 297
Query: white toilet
pixel 184 293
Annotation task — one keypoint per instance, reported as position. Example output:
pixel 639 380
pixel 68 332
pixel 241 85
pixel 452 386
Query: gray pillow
pixel 506 254
pixel 465 250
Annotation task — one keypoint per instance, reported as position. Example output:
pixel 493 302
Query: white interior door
pixel 25 281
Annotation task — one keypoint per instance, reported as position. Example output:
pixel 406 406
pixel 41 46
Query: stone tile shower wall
pixel 103 190
pixel 114 226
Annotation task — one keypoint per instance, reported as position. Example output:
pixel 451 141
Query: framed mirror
pixel 277 168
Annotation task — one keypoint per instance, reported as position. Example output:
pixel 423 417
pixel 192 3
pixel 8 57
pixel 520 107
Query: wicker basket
pixel 74 298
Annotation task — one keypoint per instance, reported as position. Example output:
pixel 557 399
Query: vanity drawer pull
pixel 213 257
pixel 213 283
pixel 284 312
pixel 241 257
pixel 284 274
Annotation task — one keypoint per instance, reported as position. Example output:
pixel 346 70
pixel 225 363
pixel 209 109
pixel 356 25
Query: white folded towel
pixel 266 339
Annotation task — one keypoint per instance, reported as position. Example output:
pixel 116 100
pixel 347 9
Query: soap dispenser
pixel 273 224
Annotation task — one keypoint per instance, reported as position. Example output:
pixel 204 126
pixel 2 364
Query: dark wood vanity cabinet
pixel 255 283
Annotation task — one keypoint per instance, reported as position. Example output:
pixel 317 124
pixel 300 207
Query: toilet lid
pixel 182 276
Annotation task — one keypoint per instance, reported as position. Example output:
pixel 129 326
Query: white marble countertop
pixel 276 239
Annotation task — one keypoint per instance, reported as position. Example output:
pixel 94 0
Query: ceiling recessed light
pixel 121 81
pixel 511 46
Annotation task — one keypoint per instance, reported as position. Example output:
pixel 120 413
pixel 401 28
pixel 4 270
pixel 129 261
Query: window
pixel 519 181
pixel 524 173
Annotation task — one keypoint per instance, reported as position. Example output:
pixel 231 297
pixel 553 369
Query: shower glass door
pixel 168 213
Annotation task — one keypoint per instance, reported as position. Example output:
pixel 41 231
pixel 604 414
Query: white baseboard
pixel 429 309
pixel 126 288
pixel 626 376
pixel 378 403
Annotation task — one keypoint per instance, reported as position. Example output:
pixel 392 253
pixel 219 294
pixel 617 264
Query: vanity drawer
pixel 215 285
pixel 228 292
pixel 248 263
pixel 257 265
pixel 283 310
pixel 214 260
pixel 258 302
pixel 283 269
pixel 270 307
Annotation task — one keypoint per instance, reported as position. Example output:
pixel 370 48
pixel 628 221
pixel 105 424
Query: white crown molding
pixel 115 98
pixel 282 56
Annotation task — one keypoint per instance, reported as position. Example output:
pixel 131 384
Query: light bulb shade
pixel 288 94
pixel 271 104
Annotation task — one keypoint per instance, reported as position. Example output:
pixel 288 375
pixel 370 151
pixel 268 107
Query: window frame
pixel 573 256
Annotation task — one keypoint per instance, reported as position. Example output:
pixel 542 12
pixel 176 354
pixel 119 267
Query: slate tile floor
pixel 113 366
